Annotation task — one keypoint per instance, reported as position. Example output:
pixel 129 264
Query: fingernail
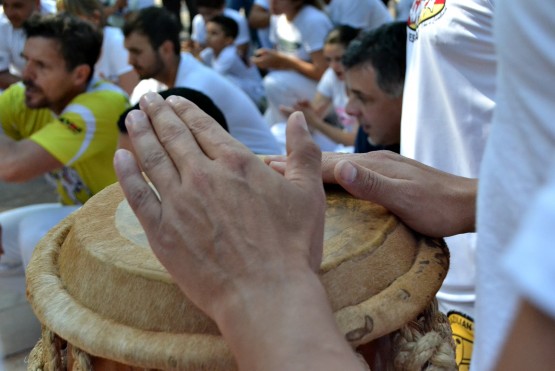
pixel 348 172
pixel 174 99
pixel 133 118
pixel 150 97
pixel 300 118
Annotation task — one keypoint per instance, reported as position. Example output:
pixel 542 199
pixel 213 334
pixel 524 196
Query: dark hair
pixel 157 24
pixel 342 35
pixel 384 48
pixel 80 42
pixel 228 25
pixel 214 4
pixel 202 101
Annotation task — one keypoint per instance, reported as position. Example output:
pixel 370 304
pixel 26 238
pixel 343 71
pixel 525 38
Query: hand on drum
pixel 240 240
pixel 430 201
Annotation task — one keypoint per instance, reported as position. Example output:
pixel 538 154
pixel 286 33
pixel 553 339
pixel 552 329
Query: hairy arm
pixel 6 79
pixel 24 160
pixel 254 275
pixel 430 201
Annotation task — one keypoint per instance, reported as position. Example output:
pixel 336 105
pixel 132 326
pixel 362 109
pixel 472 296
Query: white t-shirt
pixel 333 88
pixel 264 33
pixel 244 120
pixel 516 164
pixel 229 64
pixel 366 14
pixel 198 33
pixel 448 103
pixel 113 60
pixel 303 36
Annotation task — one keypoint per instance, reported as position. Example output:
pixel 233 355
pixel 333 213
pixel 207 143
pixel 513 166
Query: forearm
pixel 6 79
pixel 280 332
pixel 305 68
pixel 259 17
pixel 7 148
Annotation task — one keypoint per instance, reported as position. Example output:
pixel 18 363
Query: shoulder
pixel 101 96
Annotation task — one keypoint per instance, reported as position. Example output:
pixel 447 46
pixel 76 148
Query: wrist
pixel 284 323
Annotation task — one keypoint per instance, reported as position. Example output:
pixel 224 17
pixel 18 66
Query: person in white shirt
pixel 113 64
pixel 221 55
pixel 363 14
pixel 298 29
pixel 152 38
pixel 210 8
pixel 331 96
pixel 259 19
pixel 12 16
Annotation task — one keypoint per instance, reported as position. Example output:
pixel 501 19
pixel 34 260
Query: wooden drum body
pixel 98 289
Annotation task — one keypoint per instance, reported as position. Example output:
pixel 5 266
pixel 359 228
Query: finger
pixel 366 184
pixel 278 166
pixel 172 132
pixel 274 158
pixel 210 137
pixel 303 155
pixel 139 194
pixel 151 155
pixel 329 162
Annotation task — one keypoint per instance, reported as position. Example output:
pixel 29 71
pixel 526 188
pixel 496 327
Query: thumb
pixel 304 157
pixel 364 183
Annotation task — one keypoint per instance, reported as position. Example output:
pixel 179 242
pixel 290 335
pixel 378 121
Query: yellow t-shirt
pixel 83 137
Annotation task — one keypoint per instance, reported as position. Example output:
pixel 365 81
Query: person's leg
pixel 10 220
pixel 285 88
pixel 35 226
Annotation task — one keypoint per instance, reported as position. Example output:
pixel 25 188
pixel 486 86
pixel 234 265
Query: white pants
pixel 285 87
pixel 22 229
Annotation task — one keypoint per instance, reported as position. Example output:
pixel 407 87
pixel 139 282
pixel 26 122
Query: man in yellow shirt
pixel 58 122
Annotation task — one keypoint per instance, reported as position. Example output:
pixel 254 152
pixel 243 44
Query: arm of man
pixel 24 160
pixel 531 341
pixel 6 79
pixel 429 201
pixel 253 275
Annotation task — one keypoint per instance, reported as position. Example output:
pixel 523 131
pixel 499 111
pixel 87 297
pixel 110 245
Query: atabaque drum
pixel 106 302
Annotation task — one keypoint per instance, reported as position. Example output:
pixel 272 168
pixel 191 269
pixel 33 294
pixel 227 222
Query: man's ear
pixel 81 74
pixel 166 48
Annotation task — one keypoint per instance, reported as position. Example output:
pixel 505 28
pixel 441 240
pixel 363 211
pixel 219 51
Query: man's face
pixel 18 11
pixel 48 83
pixel 146 61
pixel 378 113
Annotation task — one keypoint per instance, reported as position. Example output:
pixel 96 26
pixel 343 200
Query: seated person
pixel 375 76
pixel 331 93
pixel 66 133
pixel 201 100
pixel 221 55
pixel 152 38
pixel 259 20
pixel 207 9
pixel 113 64
pixel 12 15
pixel 298 29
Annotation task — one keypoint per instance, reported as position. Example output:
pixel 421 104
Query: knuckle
pixel 152 159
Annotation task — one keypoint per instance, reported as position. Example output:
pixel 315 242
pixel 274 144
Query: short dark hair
pixel 214 4
pixel 201 100
pixel 384 48
pixel 228 25
pixel 342 35
pixel 157 24
pixel 80 42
